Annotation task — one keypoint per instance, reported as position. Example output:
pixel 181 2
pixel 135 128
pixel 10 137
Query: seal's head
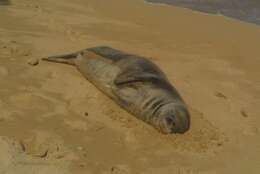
pixel 173 119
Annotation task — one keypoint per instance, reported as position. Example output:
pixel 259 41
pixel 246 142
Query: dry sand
pixel 54 121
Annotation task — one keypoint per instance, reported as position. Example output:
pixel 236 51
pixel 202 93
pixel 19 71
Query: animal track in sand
pixel 29 102
pixel 14 49
pixel 14 157
pixel 45 145
pixel 119 169
pixel 220 95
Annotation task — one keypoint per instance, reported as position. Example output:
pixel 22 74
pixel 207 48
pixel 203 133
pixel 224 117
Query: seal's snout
pixel 175 122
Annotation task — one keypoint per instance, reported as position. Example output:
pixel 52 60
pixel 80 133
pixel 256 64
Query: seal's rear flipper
pixel 65 58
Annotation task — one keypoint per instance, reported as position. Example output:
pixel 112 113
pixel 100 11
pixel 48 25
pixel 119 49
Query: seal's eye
pixel 170 121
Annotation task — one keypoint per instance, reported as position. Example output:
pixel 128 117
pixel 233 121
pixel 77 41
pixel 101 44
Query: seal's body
pixel 133 82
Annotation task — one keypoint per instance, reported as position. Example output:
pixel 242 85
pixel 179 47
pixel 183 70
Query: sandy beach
pixel 54 121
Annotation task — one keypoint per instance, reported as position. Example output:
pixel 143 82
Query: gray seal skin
pixel 134 83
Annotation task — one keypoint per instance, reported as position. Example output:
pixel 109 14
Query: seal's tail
pixel 65 58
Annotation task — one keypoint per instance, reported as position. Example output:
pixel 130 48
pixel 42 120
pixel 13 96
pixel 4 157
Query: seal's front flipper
pixel 130 78
pixel 65 58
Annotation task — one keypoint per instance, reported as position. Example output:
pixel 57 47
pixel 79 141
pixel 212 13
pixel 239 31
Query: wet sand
pixel 248 11
pixel 52 120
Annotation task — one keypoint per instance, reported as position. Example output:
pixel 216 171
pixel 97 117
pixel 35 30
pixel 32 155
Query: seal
pixel 134 83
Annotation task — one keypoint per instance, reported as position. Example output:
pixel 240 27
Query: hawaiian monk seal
pixel 133 82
